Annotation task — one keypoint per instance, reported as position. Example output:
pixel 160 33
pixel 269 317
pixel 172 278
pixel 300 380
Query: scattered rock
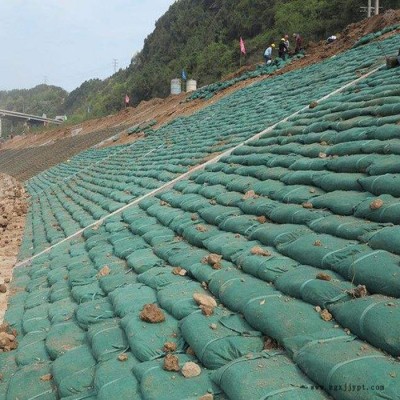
pixel 207 396
pixel 7 280
pixel 204 300
pixel 194 217
pixel 251 194
pixel 207 311
pixel 8 341
pixel 190 370
pixel 190 351
pixel 307 204
pixel 318 309
pixel 261 219
pixel 105 271
pixel 359 291
pixel 270 344
pixel 376 204
pixel 322 155
pixel 171 363
pixel 326 315
pixel 347 330
pixel 323 276
pixel 213 259
pixel 259 251
pixel 213 326
pixel 3 288
pixel 201 228
pixel 317 243
pixel 151 313
pixel 169 347
pixel 164 203
pixel 179 271
pixel 46 378
pixel 313 104
pixel 123 357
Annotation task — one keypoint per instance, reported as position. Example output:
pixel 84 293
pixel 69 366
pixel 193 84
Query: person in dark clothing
pixel 282 49
pixel 299 42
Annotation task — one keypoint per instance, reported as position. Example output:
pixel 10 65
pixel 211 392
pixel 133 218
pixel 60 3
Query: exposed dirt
pixel 13 208
pixel 165 110
pixel 151 313
pixel 171 363
pixel 8 339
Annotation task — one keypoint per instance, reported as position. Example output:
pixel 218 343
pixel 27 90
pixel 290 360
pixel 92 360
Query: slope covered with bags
pixel 274 269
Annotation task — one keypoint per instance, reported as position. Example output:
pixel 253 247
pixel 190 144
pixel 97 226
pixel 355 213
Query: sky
pixel 66 42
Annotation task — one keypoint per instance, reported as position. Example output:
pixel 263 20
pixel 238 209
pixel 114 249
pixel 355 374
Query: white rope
pixel 198 167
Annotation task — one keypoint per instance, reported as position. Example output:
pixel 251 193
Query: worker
pixel 331 39
pixel 299 42
pixel 282 49
pixel 268 54
pixel 287 41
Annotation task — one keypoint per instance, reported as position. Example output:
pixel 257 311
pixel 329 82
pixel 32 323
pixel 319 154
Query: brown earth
pixel 13 203
pixel 13 208
pixel 165 110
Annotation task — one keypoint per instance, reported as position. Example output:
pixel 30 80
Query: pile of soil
pixel 13 209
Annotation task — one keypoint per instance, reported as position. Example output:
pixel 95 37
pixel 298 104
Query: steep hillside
pixel 42 99
pixel 202 37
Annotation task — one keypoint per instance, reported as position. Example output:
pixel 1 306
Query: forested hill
pixel 202 37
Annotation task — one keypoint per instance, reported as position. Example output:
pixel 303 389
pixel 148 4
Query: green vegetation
pixel 201 36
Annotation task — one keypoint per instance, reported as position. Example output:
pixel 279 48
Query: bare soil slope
pixel 13 208
pixel 164 110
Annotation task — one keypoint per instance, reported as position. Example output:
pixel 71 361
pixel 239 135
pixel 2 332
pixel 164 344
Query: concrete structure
pixel 28 118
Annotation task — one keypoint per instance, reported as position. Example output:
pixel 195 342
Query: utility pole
pixel 369 8
pixel 376 7
pixel 115 63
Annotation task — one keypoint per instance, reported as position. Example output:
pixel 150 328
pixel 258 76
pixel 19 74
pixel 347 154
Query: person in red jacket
pixel 299 42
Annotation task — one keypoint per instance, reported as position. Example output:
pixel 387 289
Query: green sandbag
pixel 281 317
pixel 131 298
pixel 265 375
pixel 274 234
pixel 361 265
pixel 159 277
pixel 382 184
pixel 147 339
pixel 302 283
pixel 345 227
pixel 107 340
pixel 154 380
pixel 111 282
pixel 386 239
pixel 341 202
pixel 84 293
pixel 36 319
pixel 87 395
pixel 93 312
pixel 63 337
pixel 32 349
pixel 62 310
pixel 387 211
pixel 27 384
pixel 177 298
pixel 74 371
pixel 142 260
pixel 313 248
pixel 114 379
pixel 8 367
pixel 373 318
pixel 235 289
pixel 266 268
pixel 330 363
pixel 232 337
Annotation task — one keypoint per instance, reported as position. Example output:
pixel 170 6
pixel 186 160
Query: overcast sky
pixel 65 42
